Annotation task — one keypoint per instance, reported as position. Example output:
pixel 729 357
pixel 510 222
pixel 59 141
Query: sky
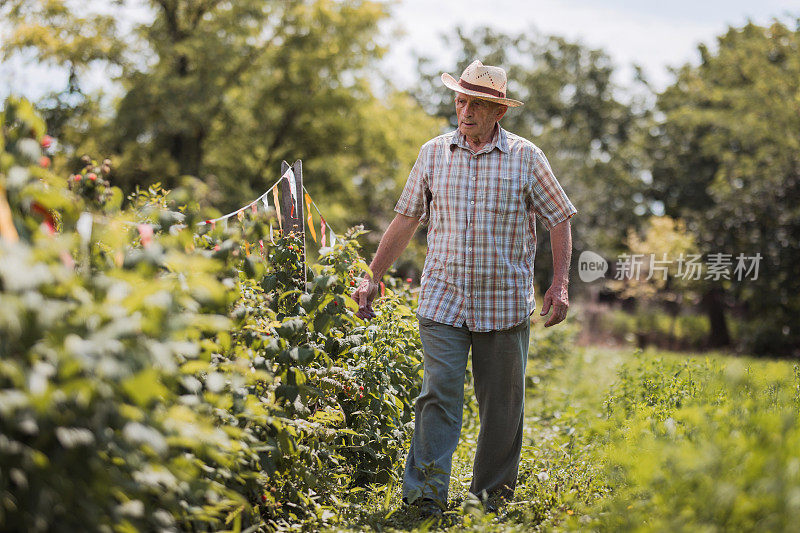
pixel 654 35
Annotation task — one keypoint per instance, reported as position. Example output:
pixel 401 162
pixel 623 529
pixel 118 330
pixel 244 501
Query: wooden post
pixel 294 224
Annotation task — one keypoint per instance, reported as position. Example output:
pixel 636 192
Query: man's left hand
pixel 556 297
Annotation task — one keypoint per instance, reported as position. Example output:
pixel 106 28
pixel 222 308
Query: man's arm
pixel 561 243
pixel 392 244
pixel 557 295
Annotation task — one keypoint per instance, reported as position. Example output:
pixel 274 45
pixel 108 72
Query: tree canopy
pixel 726 158
pixel 226 90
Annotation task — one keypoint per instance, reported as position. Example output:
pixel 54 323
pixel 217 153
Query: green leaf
pixel 145 388
pixel 290 327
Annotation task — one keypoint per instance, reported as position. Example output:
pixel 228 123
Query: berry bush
pixel 160 375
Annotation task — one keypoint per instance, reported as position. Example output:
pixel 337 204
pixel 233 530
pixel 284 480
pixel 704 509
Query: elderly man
pixel 479 189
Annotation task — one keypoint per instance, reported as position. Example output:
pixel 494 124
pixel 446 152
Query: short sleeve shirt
pixel 480 209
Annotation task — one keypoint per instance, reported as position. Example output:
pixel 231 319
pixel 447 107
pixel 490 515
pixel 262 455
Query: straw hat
pixel 483 81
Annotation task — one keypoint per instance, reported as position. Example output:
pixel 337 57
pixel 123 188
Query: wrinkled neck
pixel 476 143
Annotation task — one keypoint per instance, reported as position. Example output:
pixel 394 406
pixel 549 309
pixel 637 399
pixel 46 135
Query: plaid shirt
pixel 479 208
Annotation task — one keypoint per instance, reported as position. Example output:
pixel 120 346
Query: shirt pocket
pixel 504 198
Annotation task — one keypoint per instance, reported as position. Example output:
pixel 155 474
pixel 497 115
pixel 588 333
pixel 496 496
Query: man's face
pixel 477 117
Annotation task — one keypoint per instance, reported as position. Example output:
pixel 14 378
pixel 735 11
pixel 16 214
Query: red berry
pixel 263 497
pixel 46 141
pixel 44 161
pixel 92 176
pixel 77 177
pixel 361 387
pixel 146 233
pixel 408 280
pixel 216 248
pixel 360 395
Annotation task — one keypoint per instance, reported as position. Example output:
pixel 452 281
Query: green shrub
pixel 159 375
pixel 777 336
pixel 701 445
pixel 96 430
pixel 692 330
pixel 652 326
pixel 619 324
pixel 554 343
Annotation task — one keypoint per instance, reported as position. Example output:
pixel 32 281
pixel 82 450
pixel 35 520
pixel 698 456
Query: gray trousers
pixel 498 367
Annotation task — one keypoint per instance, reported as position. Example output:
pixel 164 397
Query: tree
pixel 574 113
pixel 226 90
pixel 656 273
pixel 726 158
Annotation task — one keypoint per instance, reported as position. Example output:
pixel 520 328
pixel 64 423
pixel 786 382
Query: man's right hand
pixel 366 291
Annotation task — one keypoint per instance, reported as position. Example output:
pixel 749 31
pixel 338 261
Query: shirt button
pixel 470 248
pixel 473 202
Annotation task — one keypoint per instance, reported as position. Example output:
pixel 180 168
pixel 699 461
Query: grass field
pixel 620 439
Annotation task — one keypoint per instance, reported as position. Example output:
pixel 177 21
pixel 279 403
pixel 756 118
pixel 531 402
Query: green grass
pixel 701 444
pixel 621 440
